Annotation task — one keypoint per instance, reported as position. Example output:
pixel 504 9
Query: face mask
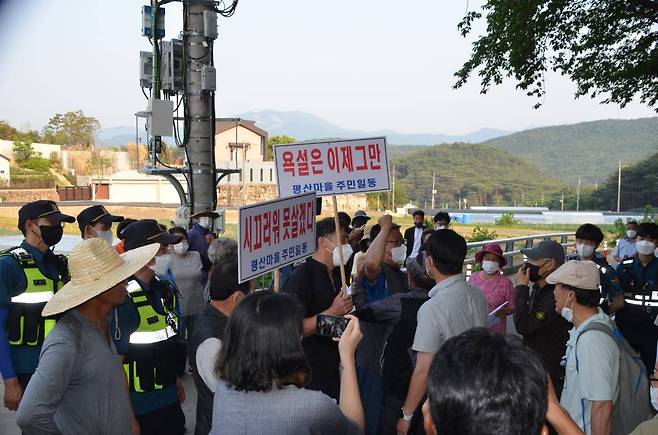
pixel 204 221
pixel 490 267
pixel 105 235
pixel 653 391
pixel 419 225
pixel 161 265
pixel 399 254
pixel 645 247
pixel 584 251
pixel 631 234
pixel 51 235
pixel 180 248
pixel 347 253
pixel 440 227
pixel 534 272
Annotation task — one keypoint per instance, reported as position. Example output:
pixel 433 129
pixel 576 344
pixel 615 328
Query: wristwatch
pixel 404 416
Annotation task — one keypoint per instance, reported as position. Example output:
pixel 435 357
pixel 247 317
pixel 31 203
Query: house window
pixel 271 175
pixel 251 175
pixel 261 175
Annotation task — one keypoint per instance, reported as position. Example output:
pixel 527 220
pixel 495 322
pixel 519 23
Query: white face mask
pixel 161 265
pixel 584 251
pixel 490 267
pixel 105 235
pixel 653 391
pixel 399 254
pixel 440 227
pixel 631 234
pixel 645 247
pixel 567 313
pixel 347 253
pixel 180 248
pixel 204 221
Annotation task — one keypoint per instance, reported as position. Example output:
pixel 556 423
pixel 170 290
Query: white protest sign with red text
pixel 275 233
pixel 332 167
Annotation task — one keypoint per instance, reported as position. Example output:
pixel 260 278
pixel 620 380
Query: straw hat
pixel 96 267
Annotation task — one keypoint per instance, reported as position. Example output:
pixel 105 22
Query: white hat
pixel 95 267
pixel 580 274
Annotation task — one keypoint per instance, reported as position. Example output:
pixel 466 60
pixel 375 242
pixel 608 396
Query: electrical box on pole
pixel 145 69
pixel 147 22
pixel 208 78
pixel 210 24
pixel 160 120
pixel 171 71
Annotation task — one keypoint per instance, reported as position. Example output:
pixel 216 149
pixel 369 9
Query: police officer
pixel 96 221
pixel 147 337
pixel 588 240
pixel 29 275
pixel 639 278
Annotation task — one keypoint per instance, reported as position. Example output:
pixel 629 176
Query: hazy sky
pixel 365 64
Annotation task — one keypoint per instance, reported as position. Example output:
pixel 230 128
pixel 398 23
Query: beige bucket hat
pixel 95 267
pixel 580 274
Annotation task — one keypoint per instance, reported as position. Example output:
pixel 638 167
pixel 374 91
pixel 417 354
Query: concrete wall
pixel 7 149
pixel 254 172
pixel 27 195
pixel 222 140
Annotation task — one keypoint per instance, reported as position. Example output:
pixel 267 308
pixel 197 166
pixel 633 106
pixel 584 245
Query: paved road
pixel 8 418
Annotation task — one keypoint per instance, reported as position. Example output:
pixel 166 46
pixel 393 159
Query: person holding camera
pixel 318 287
pixel 535 318
pixel 262 366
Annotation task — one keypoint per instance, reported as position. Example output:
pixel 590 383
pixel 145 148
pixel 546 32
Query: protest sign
pixel 332 167
pixel 275 233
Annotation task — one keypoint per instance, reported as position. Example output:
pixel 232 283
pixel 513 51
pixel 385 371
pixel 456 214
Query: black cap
pixel 206 211
pixel 147 231
pixel 547 249
pixel 122 225
pixel 42 209
pixel 95 214
pixel 360 218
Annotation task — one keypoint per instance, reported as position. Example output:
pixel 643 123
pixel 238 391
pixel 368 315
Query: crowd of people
pixel 97 342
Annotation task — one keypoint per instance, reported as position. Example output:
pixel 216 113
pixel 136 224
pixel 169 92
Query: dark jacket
pixel 409 238
pixel 543 329
pixel 210 323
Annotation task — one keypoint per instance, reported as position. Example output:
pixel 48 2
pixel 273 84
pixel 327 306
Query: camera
pixel 331 326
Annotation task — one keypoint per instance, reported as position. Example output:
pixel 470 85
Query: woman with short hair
pixel 263 370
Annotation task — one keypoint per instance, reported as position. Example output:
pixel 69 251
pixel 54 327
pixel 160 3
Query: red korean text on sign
pixel 375 156
pixel 288 163
pixel 347 162
pixel 333 159
pixel 302 163
pixel 316 161
pixel 360 150
pixel 286 223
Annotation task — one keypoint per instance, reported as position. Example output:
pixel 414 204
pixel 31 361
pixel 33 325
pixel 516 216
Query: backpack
pixel 633 405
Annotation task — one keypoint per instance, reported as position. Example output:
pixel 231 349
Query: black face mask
pixel 534 271
pixel 51 235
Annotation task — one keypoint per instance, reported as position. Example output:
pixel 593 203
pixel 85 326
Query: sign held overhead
pixel 332 167
pixel 275 233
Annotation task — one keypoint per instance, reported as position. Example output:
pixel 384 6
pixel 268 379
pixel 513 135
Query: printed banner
pixel 275 233
pixel 332 167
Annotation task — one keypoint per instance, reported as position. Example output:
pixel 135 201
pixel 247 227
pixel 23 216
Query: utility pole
pixel 562 201
pixel 393 190
pixel 578 196
pixel 200 104
pixel 619 188
pixel 433 188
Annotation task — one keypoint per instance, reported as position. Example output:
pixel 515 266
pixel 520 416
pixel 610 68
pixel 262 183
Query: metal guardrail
pixel 512 249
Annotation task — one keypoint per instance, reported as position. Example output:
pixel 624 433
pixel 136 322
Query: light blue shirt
pixel 597 376
pixel 625 249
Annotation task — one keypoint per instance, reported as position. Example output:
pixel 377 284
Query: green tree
pixel 98 164
pixel 71 128
pixel 277 140
pixel 22 150
pixel 7 132
pixel 607 47
pixel 639 186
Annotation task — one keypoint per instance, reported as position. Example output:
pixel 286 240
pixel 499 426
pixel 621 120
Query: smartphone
pixel 331 326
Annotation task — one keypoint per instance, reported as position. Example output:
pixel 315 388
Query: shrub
pixel 481 234
pixel 507 220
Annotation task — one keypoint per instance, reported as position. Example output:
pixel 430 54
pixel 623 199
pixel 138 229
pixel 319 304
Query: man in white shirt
pixel 413 236
pixel 626 247
pixel 591 384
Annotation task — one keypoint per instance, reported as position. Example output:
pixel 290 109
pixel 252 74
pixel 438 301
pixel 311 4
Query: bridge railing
pixel 512 249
